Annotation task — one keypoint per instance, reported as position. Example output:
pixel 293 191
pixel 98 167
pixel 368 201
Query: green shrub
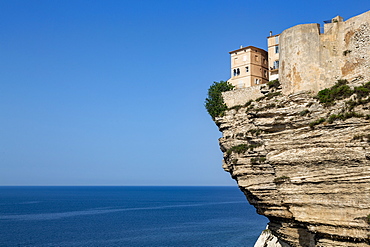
pixel 309 104
pixel 352 114
pixel 269 106
pixel 273 84
pixel 242 148
pixel 214 103
pixel 334 117
pixel 255 132
pixel 258 160
pixel 317 122
pixel 368 218
pixel 361 91
pixel 268 96
pixel 271 95
pixel 351 104
pixel 260 98
pixel 304 112
pixel 344 116
pixel 253 146
pixel 339 91
pixel 248 103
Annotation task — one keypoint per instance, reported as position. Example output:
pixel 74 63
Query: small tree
pixel 214 103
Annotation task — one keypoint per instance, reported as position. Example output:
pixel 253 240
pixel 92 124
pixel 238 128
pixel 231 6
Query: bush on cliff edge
pixel 214 103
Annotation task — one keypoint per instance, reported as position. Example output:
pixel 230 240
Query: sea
pixel 127 216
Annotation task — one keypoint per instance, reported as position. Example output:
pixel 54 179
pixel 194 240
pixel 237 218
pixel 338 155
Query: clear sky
pixel 112 92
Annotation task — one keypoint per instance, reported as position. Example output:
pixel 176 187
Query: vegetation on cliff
pixel 214 103
pixel 311 184
pixel 339 91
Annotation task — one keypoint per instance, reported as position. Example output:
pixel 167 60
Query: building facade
pixel 306 57
pixel 273 56
pixel 249 67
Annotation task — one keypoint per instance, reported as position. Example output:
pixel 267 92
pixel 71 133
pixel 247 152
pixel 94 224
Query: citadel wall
pixel 310 61
pixel 242 96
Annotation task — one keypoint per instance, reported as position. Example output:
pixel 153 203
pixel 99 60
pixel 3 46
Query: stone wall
pixel 242 96
pixel 311 61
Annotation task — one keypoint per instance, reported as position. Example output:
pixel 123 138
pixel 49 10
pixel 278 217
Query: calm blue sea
pixel 127 216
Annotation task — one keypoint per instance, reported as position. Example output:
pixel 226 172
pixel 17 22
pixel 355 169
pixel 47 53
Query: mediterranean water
pixel 127 216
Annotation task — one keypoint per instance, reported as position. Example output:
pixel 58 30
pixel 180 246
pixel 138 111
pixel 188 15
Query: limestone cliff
pixel 305 170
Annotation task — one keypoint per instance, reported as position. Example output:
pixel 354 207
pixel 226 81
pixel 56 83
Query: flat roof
pixel 248 47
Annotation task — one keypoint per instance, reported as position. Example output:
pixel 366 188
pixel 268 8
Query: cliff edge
pixel 303 164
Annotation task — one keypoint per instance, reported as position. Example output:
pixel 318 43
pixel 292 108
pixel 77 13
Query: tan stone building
pixel 273 56
pixel 249 67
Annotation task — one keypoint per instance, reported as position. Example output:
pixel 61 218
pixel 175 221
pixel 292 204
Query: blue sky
pixel 112 92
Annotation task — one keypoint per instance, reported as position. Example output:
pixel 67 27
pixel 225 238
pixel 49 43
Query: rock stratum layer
pixel 310 179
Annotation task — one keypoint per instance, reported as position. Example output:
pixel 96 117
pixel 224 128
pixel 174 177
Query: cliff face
pixel 309 177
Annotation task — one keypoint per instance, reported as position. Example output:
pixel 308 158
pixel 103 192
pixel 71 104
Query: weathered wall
pixel 242 96
pixel 313 61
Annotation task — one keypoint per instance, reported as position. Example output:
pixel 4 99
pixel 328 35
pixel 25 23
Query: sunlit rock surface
pixel 313 183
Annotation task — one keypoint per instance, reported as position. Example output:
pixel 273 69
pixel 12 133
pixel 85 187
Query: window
pixel 237 71
pixel 257 81
pixel 234 72
pixel 256 58
pixel 276 40
pixel 276 64
pixel 264 61
pixel 277 49
pixel 265 73
pixel 247 69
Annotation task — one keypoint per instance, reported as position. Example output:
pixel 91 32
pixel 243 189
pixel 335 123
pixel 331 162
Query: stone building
pixel 307 58
pixel 273 56
pixel 249 67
